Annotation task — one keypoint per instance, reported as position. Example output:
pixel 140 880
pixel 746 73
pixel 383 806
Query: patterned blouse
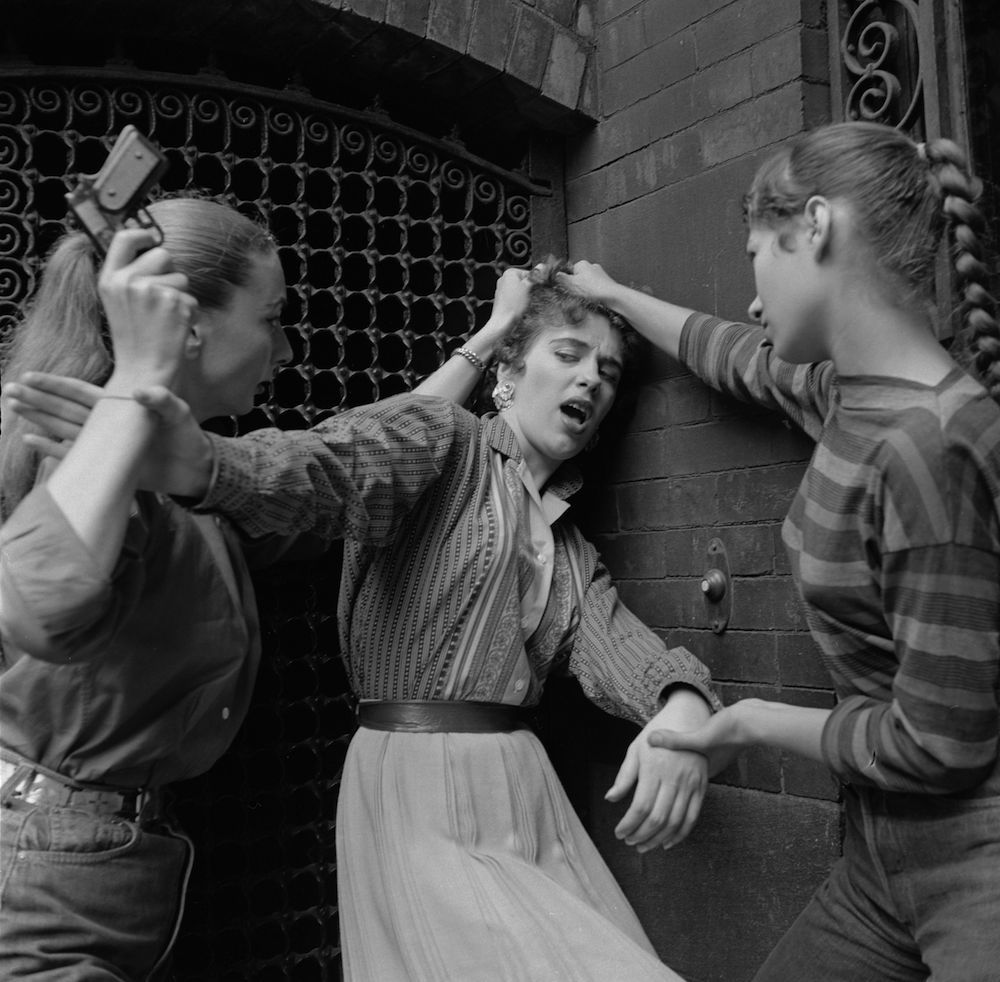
pixel 894 539
pixel 439 553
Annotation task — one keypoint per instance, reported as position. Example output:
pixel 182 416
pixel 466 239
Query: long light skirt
pixel 460 858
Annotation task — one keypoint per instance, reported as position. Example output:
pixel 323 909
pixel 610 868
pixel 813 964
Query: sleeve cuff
pixel 227 486
pixel 678 668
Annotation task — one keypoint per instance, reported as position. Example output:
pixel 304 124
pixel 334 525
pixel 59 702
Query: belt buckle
pixel 149 806
pixel 128 805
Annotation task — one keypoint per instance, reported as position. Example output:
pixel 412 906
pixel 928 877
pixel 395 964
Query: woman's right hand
pixel 148 309
pixel 721 739
pixel 589 280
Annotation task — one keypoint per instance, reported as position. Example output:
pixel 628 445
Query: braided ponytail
pixel 959 191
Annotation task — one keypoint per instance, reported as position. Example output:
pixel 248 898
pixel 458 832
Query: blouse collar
pixel 564 483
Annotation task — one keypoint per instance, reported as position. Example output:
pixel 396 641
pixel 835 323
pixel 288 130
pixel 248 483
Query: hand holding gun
pixel 114 197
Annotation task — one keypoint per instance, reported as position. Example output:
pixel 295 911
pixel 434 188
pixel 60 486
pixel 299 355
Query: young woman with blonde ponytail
pixel 894 538
pixel 129 630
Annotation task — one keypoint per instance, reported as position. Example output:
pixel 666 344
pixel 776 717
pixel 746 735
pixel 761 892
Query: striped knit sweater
pixel 894 539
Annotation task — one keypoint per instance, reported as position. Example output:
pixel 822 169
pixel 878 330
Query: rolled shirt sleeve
pixel 55 603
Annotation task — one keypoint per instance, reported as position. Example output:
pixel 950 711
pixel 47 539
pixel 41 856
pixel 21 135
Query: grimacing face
pixel 563 390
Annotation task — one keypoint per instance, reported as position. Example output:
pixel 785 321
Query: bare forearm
pixel 684 709
pixel 458 377
pixel 796 729
pixel 657 320
pixel 95 484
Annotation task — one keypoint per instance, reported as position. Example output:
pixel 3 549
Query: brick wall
pixel 691 95
pixel 540 44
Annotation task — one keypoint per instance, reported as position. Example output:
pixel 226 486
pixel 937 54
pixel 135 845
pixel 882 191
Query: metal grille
pixel 884 78
pixel 391 245
pixel 900 62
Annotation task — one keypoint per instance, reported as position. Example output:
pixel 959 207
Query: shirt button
pixel 225 712
pixel 519 685
pixel 541 558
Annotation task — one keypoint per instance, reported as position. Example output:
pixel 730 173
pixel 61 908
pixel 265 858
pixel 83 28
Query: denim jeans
pixel 915 897
pixel 84 896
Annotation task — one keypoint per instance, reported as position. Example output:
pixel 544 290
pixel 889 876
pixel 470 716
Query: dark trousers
pixel 915 897
pixel 87 897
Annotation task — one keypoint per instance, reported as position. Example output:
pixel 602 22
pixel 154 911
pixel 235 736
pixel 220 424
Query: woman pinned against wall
pixel 465 586
pixel 894 537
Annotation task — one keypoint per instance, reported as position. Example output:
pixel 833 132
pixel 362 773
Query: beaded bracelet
pixel 472 358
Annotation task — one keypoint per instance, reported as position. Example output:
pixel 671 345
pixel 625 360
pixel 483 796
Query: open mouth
pixel 577 412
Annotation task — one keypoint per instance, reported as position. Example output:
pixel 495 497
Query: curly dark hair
pixel 551 303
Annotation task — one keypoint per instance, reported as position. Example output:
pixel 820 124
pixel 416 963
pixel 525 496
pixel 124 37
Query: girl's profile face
pixel 788 302
pixel 242 343
pixel 563 390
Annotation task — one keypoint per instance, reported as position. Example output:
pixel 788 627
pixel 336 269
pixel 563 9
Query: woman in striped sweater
pixel 894 538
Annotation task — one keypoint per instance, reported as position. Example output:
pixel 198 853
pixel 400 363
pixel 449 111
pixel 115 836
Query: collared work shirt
pixel 135 679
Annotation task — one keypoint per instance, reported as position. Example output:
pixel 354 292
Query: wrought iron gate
pixel 391 244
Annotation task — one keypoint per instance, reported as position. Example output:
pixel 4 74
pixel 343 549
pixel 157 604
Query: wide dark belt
pixel 441 716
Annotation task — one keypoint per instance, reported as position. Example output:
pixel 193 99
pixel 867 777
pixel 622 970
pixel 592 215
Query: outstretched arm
pixel 749 723
pixel 736 359
pixel 657 320
pixel 184 459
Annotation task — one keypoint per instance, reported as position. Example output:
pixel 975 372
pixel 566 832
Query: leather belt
pixel 22 780
pixel 441 716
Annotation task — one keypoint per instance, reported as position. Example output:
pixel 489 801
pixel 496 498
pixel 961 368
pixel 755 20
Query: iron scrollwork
pixel 391 241
pixel 881 53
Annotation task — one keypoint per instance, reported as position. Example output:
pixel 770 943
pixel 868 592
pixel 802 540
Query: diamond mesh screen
pixel 391 246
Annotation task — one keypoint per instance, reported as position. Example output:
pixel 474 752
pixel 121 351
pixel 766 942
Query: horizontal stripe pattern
pixel 430 503
pixel 894 541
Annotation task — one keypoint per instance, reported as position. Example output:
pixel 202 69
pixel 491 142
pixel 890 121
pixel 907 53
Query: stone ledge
pixel 488 74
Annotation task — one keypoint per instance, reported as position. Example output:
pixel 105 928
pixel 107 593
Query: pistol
pixel 115 196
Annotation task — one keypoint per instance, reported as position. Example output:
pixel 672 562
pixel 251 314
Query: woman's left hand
pixel 669 790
